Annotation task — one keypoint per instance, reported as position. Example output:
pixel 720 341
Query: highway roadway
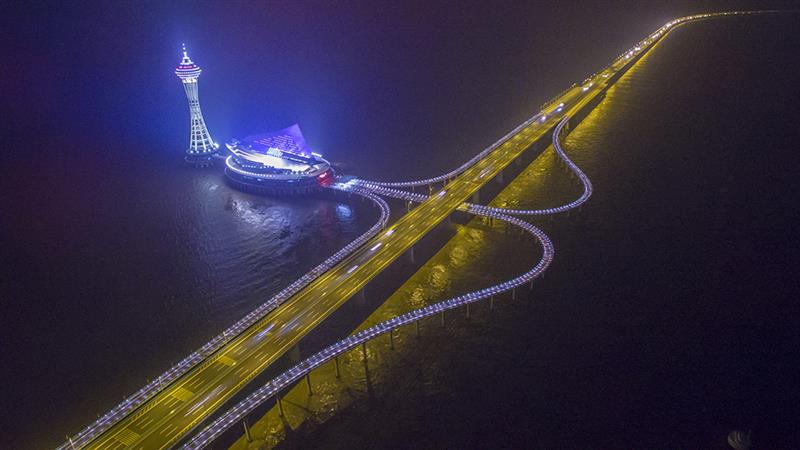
pixel 168 416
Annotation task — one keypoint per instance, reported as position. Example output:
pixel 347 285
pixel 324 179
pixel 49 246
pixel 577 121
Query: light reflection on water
pixel 166 258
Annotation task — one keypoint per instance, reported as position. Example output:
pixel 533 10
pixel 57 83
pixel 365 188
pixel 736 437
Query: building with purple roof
pixel 277 163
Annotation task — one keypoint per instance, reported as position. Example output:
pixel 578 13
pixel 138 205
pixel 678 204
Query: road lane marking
pixel 127 437
pixel 226 360
pixel 182 394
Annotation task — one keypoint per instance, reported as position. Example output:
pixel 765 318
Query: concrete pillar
pixel 531 288
pixel 308 383
pixel 442 315
pixel 491 303
pixel 417 322
pixel 391 339
pixel 467 310
pixel 280 406
pixel 336 361
pixel 411 254
pixel 514 294
pixel 408 206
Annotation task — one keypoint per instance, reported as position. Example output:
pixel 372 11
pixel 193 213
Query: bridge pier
pixel 467 310
pixel 411 255
pixel 366 363
pixel 336 361
pixel 514 294
pixel 391 339
pixel 280 406
pixel 417 323
pixel 442 315
pixel 308 383
pixel 247 430
pixel 491 302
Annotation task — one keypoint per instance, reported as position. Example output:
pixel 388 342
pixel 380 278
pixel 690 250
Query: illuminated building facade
pixel 276 163
pixel 201 146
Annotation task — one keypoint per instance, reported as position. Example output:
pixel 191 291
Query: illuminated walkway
pixel 332 352
pixel 167 409
pixel 305 367
pixel 489 210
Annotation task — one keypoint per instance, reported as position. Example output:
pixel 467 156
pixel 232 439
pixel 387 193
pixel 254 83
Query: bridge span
pixel 167 409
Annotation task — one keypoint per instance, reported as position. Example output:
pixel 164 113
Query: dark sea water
pixel 668 318
pixel 670 315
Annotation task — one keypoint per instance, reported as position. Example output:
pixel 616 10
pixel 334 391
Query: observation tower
pixel 201 146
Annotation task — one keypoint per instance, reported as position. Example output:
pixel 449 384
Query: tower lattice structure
pixel 200 142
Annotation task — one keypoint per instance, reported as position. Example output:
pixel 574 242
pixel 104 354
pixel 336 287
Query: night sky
pixel 84 72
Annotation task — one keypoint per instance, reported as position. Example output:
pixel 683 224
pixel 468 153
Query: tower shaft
pixel 201 146
pixel 200 141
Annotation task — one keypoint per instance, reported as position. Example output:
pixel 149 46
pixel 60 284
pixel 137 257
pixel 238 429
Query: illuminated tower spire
pixel 201 146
